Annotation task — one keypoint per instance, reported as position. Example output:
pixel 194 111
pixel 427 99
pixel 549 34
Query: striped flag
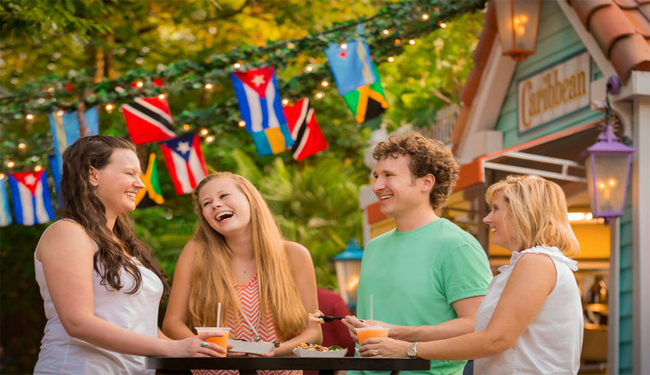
pixel 261 108
pixel 5 213
pixel 30 197
pixel 148 120
pixel 57 171
pixel 185 162
pixel 305 131
pixel 151 195
pixel 367 102
pixel 65 130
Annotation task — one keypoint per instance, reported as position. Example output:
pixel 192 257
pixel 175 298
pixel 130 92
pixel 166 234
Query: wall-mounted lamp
pixel 608 167
pixel 518 23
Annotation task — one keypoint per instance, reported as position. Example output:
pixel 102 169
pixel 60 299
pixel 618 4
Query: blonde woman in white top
pixel 530 321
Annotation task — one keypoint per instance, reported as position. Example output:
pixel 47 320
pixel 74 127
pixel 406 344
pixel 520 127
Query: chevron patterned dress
pixel 249 301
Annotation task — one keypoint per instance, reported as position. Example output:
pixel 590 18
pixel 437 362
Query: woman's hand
pixel 195 346
pixel 384 347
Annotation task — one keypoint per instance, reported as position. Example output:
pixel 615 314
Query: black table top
pixel 288 363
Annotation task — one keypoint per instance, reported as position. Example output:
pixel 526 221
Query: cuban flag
pixel 305 131
pixel 261 108
pixel 5 214
pixel 148 120
pixel 185 162
pixel 30 197
pixel 65 130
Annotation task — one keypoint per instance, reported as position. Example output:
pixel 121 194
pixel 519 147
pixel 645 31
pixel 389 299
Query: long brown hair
pixel 537 211
pixel 82 206
pixel 211 276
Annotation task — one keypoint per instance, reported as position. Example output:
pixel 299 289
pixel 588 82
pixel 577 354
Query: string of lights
pixel 395 27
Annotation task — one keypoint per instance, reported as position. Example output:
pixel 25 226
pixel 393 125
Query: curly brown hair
pixel 81 205
pixel 426 156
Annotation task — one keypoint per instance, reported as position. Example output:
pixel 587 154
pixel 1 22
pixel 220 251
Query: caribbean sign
pixel 553 93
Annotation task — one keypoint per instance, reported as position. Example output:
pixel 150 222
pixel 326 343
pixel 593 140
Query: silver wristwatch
pixel 413 350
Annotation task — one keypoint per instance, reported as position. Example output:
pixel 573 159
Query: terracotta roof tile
pixel 627 4
pixel 621 29
pixel 640 23
pixel 585 8
pixel 609 24
pixel 645 9
pixel 631 53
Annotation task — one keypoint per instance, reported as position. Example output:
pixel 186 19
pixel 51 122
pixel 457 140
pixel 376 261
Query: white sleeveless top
pixel 552 342
pixel 62 354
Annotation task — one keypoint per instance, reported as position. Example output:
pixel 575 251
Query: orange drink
pixel 222 341
pixel 368 332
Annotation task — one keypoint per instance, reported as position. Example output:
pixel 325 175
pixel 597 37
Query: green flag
pixel 367 102
pixel 151 195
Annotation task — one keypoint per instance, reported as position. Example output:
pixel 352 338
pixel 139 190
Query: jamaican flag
pixel 367 102
pixel 151 194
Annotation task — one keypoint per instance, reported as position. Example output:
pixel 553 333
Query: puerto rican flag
pixel 30 197
pixel 185 162
pixel 305 131
pixel 148 120
pixel 261 108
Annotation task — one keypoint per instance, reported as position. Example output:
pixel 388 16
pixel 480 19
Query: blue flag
pixel 5 214
pixel 56 173
pixel 65 130
pixel 351 65
pixel 30 197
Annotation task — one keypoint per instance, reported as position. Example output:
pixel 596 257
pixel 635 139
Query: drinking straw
pixel 218 313
pixel 371 308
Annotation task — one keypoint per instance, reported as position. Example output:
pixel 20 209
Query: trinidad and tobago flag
pixel 148 120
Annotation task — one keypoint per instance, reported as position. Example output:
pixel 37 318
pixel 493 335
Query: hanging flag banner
pixel 65 130
pixel 151 195
pixel 56 169
pixel 261 108
pixel 367 102
pixel 351 65
pixel 185 162
pixel 307 136
pixel 148 120
pixel 30 197
pixel 5 213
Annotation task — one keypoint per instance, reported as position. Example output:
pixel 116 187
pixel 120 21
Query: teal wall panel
pixel 557 41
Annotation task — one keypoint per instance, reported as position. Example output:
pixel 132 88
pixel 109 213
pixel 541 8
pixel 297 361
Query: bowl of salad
pixel 315 350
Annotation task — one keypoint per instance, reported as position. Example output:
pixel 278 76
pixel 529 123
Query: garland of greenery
pixel 388 33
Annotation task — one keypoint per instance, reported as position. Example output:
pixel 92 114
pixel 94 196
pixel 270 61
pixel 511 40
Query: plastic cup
pixel 368 332
pixel 222 341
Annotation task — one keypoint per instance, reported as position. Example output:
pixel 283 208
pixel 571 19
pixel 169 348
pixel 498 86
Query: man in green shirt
pixel 427 277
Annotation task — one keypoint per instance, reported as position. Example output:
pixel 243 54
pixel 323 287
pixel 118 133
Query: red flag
pixel 304 130
pixel 148 120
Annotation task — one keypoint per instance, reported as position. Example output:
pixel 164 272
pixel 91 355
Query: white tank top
pixel 62 354
pixel 552 342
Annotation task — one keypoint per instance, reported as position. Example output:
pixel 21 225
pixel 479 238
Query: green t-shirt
pixel 414 277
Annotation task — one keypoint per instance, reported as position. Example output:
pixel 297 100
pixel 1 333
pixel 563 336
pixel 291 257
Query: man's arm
pixel 465 309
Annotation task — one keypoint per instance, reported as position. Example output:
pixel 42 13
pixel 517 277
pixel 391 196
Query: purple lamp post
pixel 608 169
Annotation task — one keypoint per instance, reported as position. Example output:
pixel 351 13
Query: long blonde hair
pixel 537 211
pixel 211 275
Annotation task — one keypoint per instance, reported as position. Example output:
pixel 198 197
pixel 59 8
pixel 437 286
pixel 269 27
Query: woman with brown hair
pixel 238 258
pixel 100 284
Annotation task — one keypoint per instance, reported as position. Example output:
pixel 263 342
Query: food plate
pixel 319 351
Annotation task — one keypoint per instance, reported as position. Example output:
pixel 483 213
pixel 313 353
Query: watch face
pixel 412 350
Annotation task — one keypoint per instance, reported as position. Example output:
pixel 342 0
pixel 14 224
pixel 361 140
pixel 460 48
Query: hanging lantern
pixel 348 268
pixel 608 168
pixel 518 23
